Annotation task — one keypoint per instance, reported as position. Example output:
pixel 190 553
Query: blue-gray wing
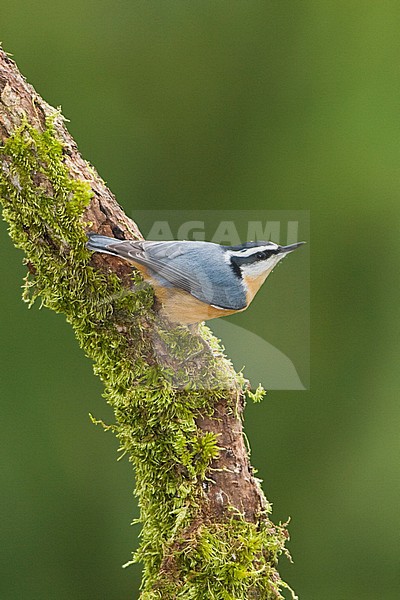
pixel 198 268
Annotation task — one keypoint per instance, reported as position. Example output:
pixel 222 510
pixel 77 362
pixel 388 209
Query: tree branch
pixel 177 400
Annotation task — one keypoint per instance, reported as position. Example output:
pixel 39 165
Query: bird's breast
pixel 181 307
pixel 253 284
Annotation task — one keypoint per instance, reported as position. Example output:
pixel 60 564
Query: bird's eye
pixel 260 255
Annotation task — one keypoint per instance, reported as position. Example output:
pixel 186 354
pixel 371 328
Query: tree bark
pixel 194 480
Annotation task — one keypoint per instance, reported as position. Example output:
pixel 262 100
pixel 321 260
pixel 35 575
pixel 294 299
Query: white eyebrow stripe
pixel 249 251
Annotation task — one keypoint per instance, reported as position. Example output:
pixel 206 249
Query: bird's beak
pixel 286 249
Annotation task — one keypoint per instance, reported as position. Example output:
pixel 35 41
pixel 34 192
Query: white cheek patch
pixel 261 267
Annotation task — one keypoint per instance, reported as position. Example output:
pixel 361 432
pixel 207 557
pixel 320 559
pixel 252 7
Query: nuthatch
pixel 196 281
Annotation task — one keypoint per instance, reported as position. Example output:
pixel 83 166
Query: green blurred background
pixel 229 105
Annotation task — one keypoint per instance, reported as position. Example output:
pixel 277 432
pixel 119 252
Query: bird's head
pixel 257 259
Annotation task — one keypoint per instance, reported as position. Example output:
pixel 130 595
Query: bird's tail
pixel 99 243
pixel 102 243
pixel 127 249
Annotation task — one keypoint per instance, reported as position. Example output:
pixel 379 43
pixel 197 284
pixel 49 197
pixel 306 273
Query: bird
pixel 196 281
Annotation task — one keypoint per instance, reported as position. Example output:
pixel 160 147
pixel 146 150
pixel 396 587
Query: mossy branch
pixel 178 403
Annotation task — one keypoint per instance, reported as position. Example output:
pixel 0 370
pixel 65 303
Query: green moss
pixel 155 407
pixel 226 561
pixel 257 395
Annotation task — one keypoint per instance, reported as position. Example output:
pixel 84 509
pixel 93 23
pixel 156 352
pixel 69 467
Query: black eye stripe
pixel 238 261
